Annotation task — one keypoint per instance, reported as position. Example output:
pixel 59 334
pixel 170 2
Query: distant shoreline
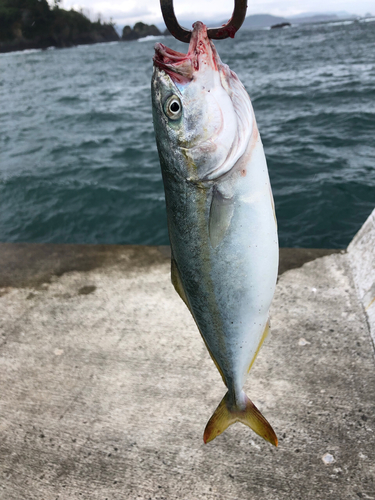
pixel 22 45
pixel 102 33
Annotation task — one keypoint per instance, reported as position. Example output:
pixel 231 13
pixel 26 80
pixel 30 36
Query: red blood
pixel 227 31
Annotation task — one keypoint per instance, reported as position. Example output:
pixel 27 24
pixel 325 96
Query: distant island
pixel 141 30
pixel 280 25
pixel 33 24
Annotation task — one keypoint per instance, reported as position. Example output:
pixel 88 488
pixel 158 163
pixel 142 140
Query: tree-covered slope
pixel 34 24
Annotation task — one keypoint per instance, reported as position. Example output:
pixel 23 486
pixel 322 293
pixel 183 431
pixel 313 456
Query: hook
pixel 182 34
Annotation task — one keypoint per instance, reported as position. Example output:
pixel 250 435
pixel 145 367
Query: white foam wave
pixel 339 23
pixel 149 38
pixel 18 52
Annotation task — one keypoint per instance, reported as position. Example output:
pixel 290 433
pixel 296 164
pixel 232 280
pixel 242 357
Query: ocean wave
pixel 20 52
pixel 340 23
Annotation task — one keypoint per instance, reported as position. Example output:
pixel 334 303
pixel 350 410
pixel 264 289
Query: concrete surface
pixel 362 259
pixel 106 385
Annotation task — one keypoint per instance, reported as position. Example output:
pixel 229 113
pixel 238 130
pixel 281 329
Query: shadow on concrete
pixel 32 264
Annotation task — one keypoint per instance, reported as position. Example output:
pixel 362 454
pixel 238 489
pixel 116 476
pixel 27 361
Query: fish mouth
pixel 181 67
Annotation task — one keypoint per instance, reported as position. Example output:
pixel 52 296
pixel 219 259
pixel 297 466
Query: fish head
pixel 203 117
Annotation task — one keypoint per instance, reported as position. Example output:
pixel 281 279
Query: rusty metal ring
pixel 227 30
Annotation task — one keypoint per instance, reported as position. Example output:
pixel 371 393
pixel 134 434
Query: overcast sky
pixel 148 11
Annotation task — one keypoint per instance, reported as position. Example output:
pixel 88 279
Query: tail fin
pixel 226 414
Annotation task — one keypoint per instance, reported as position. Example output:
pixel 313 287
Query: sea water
pixel 78 160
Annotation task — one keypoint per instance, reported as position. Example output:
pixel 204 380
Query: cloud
pixel 134 10
pixel 128 16
pixel 131 11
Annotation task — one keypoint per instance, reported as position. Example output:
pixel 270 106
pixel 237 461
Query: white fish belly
pixel 244 272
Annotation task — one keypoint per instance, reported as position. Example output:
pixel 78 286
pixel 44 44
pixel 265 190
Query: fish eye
pixel 173 107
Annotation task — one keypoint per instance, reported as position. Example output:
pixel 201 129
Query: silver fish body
pixel 221 218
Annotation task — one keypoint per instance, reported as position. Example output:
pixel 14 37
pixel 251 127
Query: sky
pixel 130 11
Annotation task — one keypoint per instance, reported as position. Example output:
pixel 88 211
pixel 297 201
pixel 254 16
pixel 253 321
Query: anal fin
pixel 263 338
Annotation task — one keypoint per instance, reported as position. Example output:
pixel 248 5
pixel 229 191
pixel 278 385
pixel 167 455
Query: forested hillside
pixel 34 24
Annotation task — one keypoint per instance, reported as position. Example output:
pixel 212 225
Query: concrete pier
pixel 106 385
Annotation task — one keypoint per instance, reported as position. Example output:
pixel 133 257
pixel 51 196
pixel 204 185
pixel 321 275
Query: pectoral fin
pixel 221 214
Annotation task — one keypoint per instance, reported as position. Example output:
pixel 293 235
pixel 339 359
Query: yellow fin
pixel 264 336
pixel 273 207
pixel 227 414
pixel 177 283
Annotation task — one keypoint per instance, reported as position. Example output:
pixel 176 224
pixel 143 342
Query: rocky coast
pixel 141 30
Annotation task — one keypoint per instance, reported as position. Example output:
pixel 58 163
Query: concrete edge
pixel 32 264
pixel 361 253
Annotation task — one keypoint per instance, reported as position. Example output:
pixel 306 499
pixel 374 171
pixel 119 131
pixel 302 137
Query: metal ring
pixel 227 30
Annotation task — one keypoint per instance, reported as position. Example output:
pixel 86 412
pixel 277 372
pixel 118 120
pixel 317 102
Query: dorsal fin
pixel 177 283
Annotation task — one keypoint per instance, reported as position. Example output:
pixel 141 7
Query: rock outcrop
pixel 140 30
pixel 280 25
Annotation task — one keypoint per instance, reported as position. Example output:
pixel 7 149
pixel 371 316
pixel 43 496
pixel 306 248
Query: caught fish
pixel 221 217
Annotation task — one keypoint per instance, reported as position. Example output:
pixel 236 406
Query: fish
pixel 220 212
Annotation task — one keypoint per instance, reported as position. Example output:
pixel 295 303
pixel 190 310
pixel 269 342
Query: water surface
pixel 78 161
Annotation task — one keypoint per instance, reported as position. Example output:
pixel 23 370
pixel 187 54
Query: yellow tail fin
pixel 226 414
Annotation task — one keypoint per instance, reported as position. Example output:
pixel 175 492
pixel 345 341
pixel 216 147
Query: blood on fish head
pixel 182 67
pixel 202 113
